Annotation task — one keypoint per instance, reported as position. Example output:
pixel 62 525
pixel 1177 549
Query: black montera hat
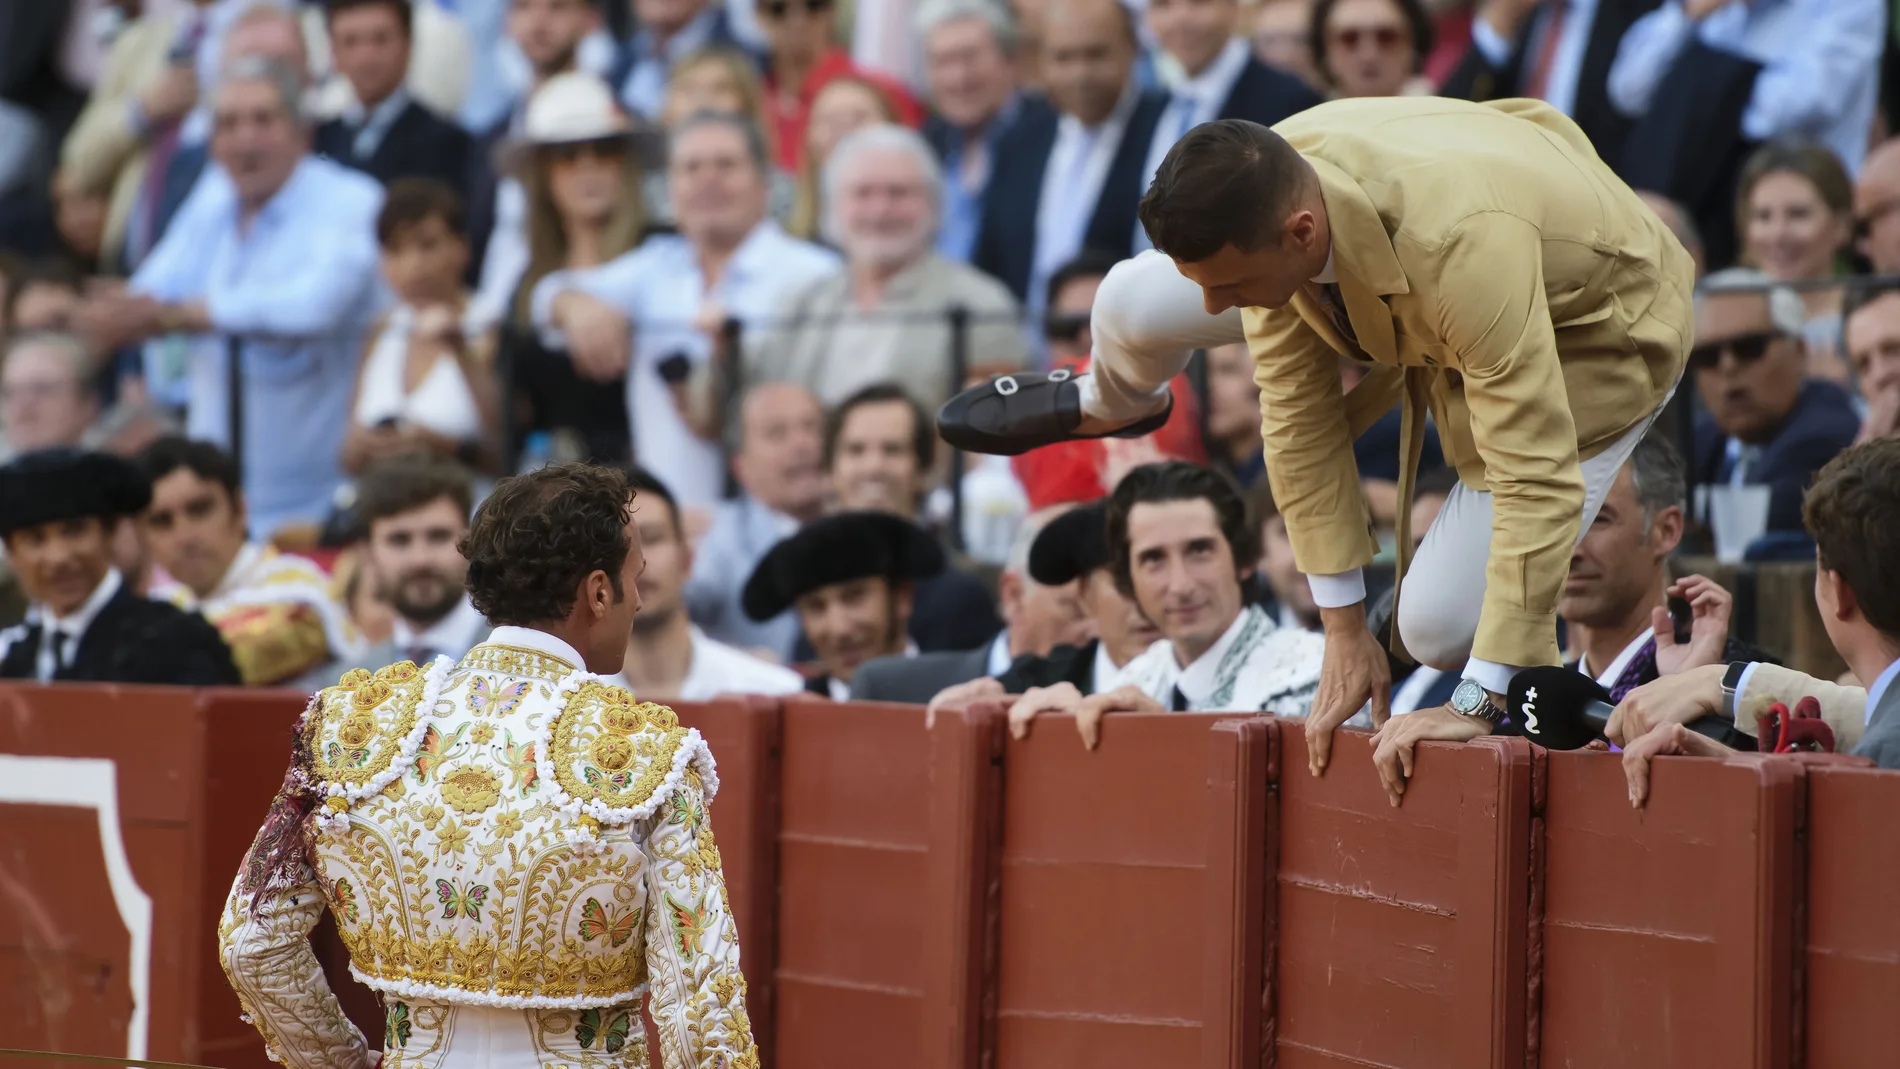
pixel 1070 546
pixel 837 549
pixel 51 485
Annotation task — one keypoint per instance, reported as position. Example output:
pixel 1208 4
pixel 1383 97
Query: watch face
pixel 1467 697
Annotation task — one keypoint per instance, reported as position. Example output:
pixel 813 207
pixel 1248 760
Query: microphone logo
pixel 1530 711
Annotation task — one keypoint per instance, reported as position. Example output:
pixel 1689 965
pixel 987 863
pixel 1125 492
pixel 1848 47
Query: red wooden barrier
pixel 1131 910
pixel 1402 932
pixel 1853 940
pixel 1669 931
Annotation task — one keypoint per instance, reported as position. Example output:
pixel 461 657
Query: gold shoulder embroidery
pixel 361 723
pixel 608 748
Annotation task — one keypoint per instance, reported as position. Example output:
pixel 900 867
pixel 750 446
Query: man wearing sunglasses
pixel 1764 422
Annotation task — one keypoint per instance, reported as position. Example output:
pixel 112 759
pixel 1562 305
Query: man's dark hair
pixel 1658 476
pixel 405 12
pixel 538 535
pixel 55 271
pixel 923 432
pixel 644 483
pixel 1853 514
pixel 1089 263
pixel 1178 480
pixel 1437 482
pixel 1228 182
pixel 1860 295
pixel 203 459
pixel 402 484
pixel 1417 19
pixel 410 201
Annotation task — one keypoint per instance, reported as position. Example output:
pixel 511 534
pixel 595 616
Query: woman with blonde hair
pixel 845 104
pixel 583 184
pixel 1794 212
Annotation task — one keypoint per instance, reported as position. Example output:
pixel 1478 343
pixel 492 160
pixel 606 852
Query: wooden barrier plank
pixel 961 934
pixel 1401 932
pixel 1853 932
pixel 1668 931
pixel 1119 895
pixel 853 843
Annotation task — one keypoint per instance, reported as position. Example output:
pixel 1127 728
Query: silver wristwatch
pixel 1470 699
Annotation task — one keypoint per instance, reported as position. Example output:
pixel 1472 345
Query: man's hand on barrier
pixel 1123 699
pixel 1394 741
pixel 1675 699
pixel 1664 740
pixel 1354 670
pixel 963 694
pixel 1061 698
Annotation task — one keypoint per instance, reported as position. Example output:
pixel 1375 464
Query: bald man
pixel 1072 178
pixel 1877 207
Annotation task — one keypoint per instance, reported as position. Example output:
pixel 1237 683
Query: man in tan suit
pixel 1495 273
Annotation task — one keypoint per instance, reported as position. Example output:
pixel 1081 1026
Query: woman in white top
pixel 427 381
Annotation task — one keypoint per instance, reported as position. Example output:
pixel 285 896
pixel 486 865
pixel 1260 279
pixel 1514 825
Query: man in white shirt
pixel 668 657
pixel 1181 547
pixel 274 259
pixel 413 511
pixel 668 298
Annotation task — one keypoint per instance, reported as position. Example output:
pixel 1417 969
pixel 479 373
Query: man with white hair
pixel 970 67
pixel 277 261
pixel 886 314
pixel 1037 618
pixel 47 393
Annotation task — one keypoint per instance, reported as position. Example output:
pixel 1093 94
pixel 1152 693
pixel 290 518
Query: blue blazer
pixel 1822 423
pixel 1006 238
pixel 419 144
pixel 1264 95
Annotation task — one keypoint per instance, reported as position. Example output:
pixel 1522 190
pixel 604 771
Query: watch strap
pixel 1731 680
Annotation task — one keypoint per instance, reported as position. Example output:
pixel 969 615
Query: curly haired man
pixel 511 847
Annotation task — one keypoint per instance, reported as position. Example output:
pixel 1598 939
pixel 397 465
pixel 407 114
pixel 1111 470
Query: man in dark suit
pixel 1764 422
pixel 1558 51
pixel 970 68
pixel 385 133
pixel 59 509
pixel 1220 78
pixel 852 578
pixel 1071 179
pixel 1036 618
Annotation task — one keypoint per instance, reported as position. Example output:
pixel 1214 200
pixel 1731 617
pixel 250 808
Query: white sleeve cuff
pixel 1741 689
pixel 1493 677
pixel 1490 43
pixel 1339 590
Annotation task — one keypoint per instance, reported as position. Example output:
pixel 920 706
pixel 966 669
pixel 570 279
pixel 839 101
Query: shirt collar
pixel 1879 689
pixel 1327 274
pixel 1124 107
pixel 247 556
pixel 1107 675
pixel 1211 86
pixel 1197 680
pixel 382 114
pixel 999 653
pixel 446 635
pixel 1608 676
pixel 82 617
pixel 283 204
pixel 528 638
pixel 758 252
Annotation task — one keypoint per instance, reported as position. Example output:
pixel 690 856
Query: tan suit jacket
pixel 1495 270
pixel 103 154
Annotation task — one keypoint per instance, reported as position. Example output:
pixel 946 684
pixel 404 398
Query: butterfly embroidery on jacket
pixel 596 923
pixel 689 923
pixel 344 900
pixel 467 902
pixel 435 750
pixel 498 701
pixel 519 761
pixel 612 1039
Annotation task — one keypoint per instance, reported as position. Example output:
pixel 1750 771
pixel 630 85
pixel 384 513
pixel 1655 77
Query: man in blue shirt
pixel 274 258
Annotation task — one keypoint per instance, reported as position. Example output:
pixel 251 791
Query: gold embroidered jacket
pixel 507 835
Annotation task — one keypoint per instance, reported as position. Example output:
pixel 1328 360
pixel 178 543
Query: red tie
pixel 1546 50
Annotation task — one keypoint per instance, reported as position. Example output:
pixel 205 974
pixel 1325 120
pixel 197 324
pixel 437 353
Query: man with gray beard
pixel 882 316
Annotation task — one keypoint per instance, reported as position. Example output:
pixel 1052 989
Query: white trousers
pixel 1443 590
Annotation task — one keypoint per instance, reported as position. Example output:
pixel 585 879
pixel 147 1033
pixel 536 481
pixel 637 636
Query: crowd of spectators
pixel 295 282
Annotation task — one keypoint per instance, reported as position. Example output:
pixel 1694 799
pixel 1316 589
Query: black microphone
pixel 1558 708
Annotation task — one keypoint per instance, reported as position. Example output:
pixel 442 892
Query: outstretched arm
pixel 264 945
pixel 692 946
